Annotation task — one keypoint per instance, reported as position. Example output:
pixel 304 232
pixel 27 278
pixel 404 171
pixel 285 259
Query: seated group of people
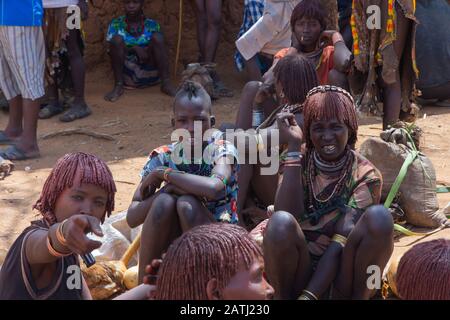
pixel 317 244
pixel 326 226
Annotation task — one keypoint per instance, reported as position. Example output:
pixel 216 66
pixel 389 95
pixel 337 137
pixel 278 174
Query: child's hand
pixel 151 276
pixel 153 180
pixel 264 93
pixel 75 230
pixel 289 129
pixel 326 38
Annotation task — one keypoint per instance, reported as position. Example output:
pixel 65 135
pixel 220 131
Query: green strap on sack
pixel 442 189
pixel 412 155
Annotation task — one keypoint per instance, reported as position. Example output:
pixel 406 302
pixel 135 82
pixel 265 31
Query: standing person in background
pixel 22 63
pixel 270 34
pixel 60 40
pixel 253 10
pixel 208 14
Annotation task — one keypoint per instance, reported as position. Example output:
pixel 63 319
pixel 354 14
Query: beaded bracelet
pixel 221 178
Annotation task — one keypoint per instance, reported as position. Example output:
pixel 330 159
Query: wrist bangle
pixel 221 178
pixel 259 142
pixel 53 251
pixel 294 154
pixel 60 234
pixel 310 295
pixel 339 239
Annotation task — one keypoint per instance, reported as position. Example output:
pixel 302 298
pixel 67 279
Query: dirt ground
pixel 139 122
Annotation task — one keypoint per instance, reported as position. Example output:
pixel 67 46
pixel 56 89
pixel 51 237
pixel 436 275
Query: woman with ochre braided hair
pixel 332 229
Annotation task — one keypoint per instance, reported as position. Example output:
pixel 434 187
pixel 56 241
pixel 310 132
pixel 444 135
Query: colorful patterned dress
pixel 136 74
pixel 224 210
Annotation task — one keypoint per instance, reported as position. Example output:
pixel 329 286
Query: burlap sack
pixel 417 193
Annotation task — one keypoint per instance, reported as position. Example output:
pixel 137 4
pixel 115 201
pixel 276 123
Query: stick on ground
pixel 68 132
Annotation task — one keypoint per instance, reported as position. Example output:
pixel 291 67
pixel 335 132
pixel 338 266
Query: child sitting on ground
pixel 197 191
pixel 136 47
pixel 326 49
pixel 76 197
pixel 218 261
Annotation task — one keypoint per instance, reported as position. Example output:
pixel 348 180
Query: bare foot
pixel 115 94
pixel 168 88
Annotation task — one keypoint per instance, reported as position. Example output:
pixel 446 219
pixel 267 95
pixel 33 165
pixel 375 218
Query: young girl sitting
pixel 136 47
pixel 197 191
pixel 294 77
pixel 331 227
pixel 77 195
pixel 221 262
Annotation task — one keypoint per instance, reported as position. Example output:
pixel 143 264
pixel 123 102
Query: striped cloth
pixel 22 62
pixel 253 10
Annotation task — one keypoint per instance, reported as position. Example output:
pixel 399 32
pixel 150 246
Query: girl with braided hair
pixel 294 77
pixel 221 261
pixel 76 197
pixel 333 228
pixel 196 191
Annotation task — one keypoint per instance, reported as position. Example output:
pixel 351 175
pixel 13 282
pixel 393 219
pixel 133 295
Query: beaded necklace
pixel 136 31
pixel 346 169
pixel 327 166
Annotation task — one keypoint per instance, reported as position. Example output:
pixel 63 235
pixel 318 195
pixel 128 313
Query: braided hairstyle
pixel 208 251
pixel 311 9
pixel 192 89
pixel 326 103
pixel 297 75
pixel 424 271
pixel 84 167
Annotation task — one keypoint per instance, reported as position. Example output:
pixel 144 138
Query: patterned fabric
pixel 25 13
pixel 362 190
pixel 55 35
pixel 118 26
pixel 253 10
pixel 22 62
pixel 380 45
pixel 323 66
pixel 139 75
pixel 224 210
